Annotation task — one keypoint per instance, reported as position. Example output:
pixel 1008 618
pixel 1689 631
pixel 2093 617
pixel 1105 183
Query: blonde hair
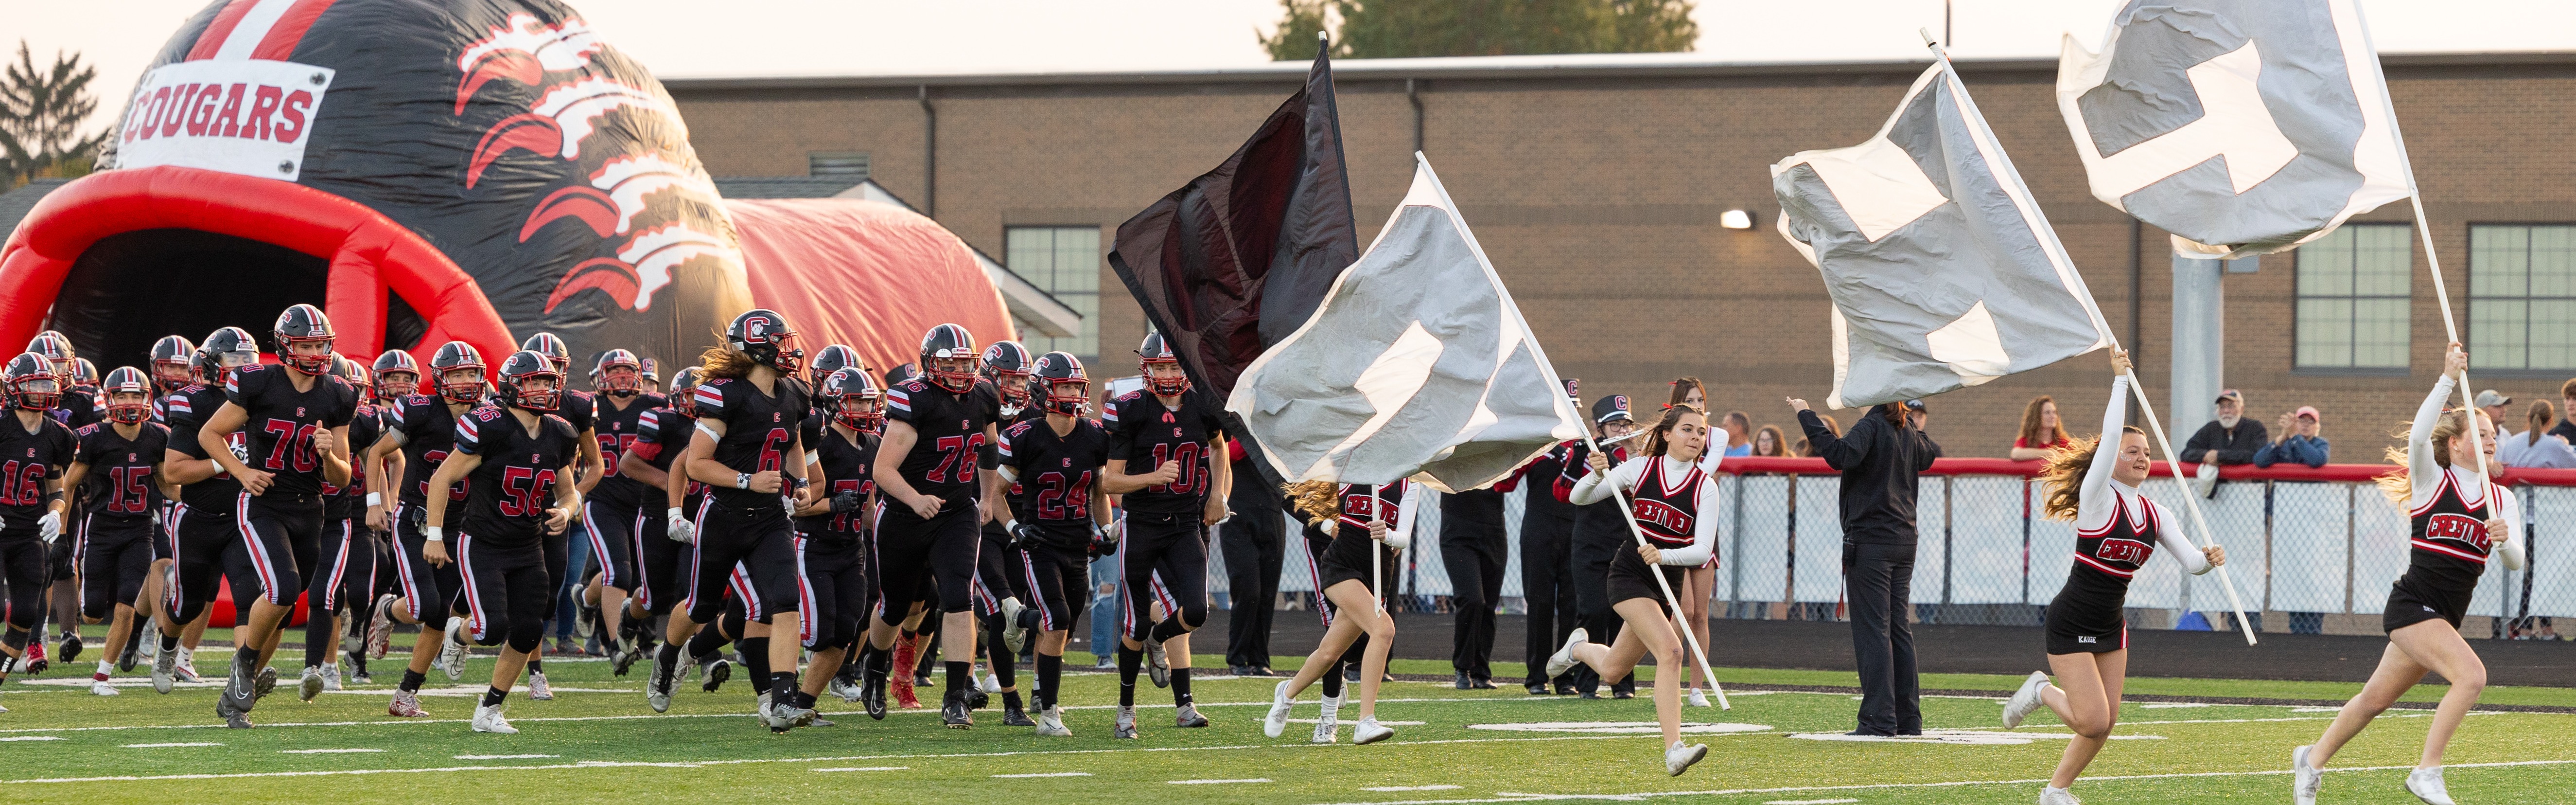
pixel 1321 500
pixel 719 362
pixel 2395 484
pixel 2064 476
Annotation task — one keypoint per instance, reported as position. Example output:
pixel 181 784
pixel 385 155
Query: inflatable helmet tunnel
pixel 425 170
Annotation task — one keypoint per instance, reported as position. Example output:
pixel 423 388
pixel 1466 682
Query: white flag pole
pixel 1377 553
pixel 2173 461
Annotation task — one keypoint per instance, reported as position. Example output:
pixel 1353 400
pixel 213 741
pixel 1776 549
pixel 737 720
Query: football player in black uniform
pixel 832 528
pixel 32 506
pixel 76 407
pixel 344 552
pixel 663 545
pixel 748 451
pixel 937 426
pixel 205 535
pixel 397 377
pixel 577 408
pixel 612 512
pixel 1168 509
pixel 520 457
pixel 121 461
pixel 1053 467
pixel 420 434
pixel 295 418
pixel 174 365
pixel 1001 578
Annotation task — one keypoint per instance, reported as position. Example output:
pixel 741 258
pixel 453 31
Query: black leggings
pixel 834 591
pixel 506 592
pixel 1165 556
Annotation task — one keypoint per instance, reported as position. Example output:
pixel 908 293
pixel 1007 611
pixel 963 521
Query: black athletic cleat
pixel 716 671
pixel 133 652
pixel 70 648
pixel 977 699
pixel 872 693
pixel 263 683
pixel 1014 717
pixel 952 712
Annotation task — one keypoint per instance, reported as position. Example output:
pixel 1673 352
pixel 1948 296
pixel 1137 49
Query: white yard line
pixel 1510 796
pixel 1216 782
pixel 641 716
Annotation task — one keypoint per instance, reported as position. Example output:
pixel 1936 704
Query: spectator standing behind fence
pixel 1547 564
pixel 2041 430
pixel 2566 428
pixel 2298 442
pixel 2538 447
pixel 2229 439
pixel 1739 434
pixel 1768 443
pixel 2494 404
pixel 1881 461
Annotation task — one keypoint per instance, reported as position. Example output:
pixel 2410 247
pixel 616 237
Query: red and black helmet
pixel 896 376
pixel 303 324
pixel 173 363
pixel 1007 364
pixel 683 395
pixel 764 335
pixel 84 373
pixel 57 351
pixel 30 382
pixel 225 343
pixel 833 358
pixel 949 342
pixel 1067 387
pixel 544 343
pixel 397 375
pixel 126 380
pixel 456 356
pixel 1158 350
pixel 524 366
pixel 853 399
pixel 605 377
pixel 356 374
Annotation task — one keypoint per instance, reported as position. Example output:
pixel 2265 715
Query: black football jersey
pixel 847 467
pixel 759 431
pixel 515 484
pixel 80 407
pixel 186 409
pixel 342 502
pixel 1146 433
pixel 660 435
pixel 1056 474
pixel 283 420
pixel 428 427
pixel 27 458
pixel 577 408
pixel 616 431
pixel 119 483
pixel 949 431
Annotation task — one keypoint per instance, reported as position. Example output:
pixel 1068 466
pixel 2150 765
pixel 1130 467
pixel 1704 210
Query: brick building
pixel 1597 183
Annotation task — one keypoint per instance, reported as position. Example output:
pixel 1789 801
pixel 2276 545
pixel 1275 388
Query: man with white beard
pixel 2231 439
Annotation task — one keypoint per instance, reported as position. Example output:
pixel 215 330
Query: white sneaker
pixel 1680 757
pixel 451 649
pixel 847 690
pixel 1051 723
pixel 1699 699
pixel 487 718
pixel 2025 700
pixel 1012 635
pixel 1277 721
pixel 165 671
pixel 538 689
pixel 100 687
pixel 2305 779
pixel 331 677
pixel 1369 732
pixel 2426 784
pixel 185 670
pixel 310 685
pixel 1563 660
pixel 1329 720
pixel 2057 796
pixel 990 683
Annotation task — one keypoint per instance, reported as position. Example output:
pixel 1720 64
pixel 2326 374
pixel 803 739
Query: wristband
pixel 375 499
pixel 1011 526
pixel 742 480
pixel 675 513
pixel 430 534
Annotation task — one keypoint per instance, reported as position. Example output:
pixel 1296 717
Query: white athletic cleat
pixel 165 671
pixel 1698 698
pixel 2025 700
pixel 451 649
pixel 1013 635
pixel 1051 723
pixel 311 684
pixel 1329 720
pixel 100 687
pixel 1158 665
pixel 2057 796
pixel 1277 721
pixel 1563 660
pixel 2305 779
pixel 989 683
pixel 1369 732
pixel 538 689
pixel 380 627
pixel 847 690
pixel 185 670
pixel 2426 784
pixel 405 704
pixel 1126 726
pixel 331 677
pixel 487 718
pixel 1679 757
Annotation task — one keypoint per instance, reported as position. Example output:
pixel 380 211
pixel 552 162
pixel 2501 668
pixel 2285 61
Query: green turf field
pixel 598 742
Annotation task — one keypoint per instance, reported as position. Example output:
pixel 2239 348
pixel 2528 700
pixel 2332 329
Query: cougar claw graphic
pixel 617 193
pixel 641 267
pixel 524 50
pixel 562 119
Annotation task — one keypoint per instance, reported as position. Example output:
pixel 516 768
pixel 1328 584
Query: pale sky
pixel 682 38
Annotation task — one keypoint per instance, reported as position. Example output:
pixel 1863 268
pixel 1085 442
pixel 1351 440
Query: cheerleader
pixel 1676 505
pixel 2117 529
pixel 1355 515
pixel 1703 579
pixel 2459 520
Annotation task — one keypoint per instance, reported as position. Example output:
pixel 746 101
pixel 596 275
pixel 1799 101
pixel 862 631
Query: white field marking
pixel 464 691
pixel 867 768
pixel 2316 709
pixel 168 746
pixel 504 757
pixel 1381 723
pixel 1958 737
pixel 1044 774
pixel 1215 782
pixel 2173 705
pixel 1620 727
pixel 327 751
pixel 121 682
pixel 1809 801
pixel 1415 787
pixel 32 738
pixel 1513 796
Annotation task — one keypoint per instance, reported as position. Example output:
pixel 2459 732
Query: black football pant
pixel 507 591
pixel 833 590
pixel 431 589
pixel 115 553
pixel 22 569
pixel 661 564
pixel 614 530
pixel 760 539
pixel 283 534
pixel 1165 557
pixel 208 549
pixel 942 549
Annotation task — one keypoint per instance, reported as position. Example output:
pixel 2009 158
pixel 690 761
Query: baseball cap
pixel 1570 391
pixel 2310 412
pixel 2490 397
pixel 652 370
pixel 1609 408
pixel 2231 394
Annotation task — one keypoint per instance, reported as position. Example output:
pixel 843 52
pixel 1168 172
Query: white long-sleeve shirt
pixel 1703 545
pixel 2425 475
pixel 1400 536
pixel 2100 495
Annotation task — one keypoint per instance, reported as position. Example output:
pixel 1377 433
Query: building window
pixel 2354 291
pixel 1063 261
pixel 853 164
pixel 2522 296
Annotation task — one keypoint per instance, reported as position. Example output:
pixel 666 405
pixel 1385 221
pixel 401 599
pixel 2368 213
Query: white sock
pixel 105 666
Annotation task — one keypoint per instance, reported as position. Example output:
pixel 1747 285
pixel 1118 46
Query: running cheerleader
pixel 1675 502
pixel 2459 520
pixel 2116 531
pixel 1354 514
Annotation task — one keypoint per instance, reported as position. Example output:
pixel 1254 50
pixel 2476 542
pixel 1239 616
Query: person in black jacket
pixel 1880 460
pixel 1547 564
pixel 1600 533
pixel 2229 439
pixel 1256 544
pixel 1474 545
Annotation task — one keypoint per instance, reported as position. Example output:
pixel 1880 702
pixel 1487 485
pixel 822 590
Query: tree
pixel 41 114
pixel 1376 29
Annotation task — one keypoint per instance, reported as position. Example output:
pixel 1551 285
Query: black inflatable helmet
pixel 1157 351
pixel 458 356
pixel 1067 387
pixel 943 345
pixel 30 382
pixel 605 377
pixel 303 324
pixel 397 374
pixel 764 335
pixel 174 363
pixel 126 380
pixel 684 394
pixel 853 385
pixel 523 366
pixel 225 342
pixel 833 358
